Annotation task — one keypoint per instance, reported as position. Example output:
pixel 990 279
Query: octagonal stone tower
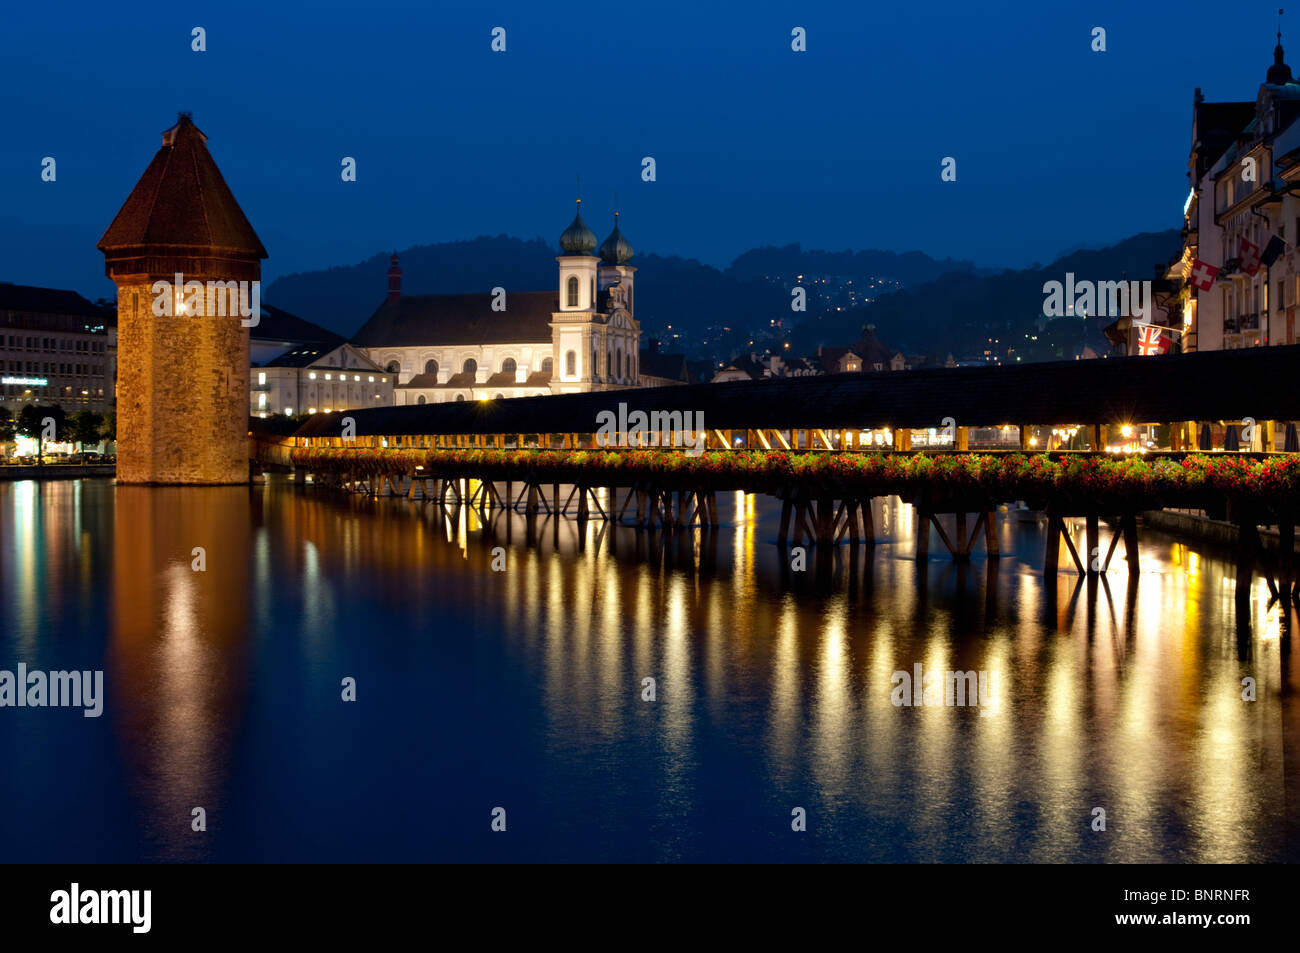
pixel 182 379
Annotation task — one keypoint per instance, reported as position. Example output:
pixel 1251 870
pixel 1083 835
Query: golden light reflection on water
pixel 1123 694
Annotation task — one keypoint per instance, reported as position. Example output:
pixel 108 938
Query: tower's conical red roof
pixel 182 200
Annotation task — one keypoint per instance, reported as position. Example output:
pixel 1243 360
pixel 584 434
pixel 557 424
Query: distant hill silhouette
pixel 909 268
pixel 673 291
pixel 959 311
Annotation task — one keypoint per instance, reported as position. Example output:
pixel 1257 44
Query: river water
pixel 521 686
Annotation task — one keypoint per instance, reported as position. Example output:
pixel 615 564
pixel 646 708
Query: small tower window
pixel 573 291
pixel 431 366
pixel 508 366
pixel 571 362
pixel 471 366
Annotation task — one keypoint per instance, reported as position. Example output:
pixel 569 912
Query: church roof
pixel 183 200
pixel 432 320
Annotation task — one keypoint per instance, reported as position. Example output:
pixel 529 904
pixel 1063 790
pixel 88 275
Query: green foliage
pixel 85 427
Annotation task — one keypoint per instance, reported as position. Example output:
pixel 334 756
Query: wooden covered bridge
pixel 1099 439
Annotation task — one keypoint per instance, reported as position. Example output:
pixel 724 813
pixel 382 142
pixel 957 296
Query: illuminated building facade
pixel 55 348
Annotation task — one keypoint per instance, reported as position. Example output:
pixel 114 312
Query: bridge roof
pixel 1263 383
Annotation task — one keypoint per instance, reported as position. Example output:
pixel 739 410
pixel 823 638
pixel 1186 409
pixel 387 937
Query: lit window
pixel 356 377
pixel 288 411
pixel 311 410
pixel 312 375
pixel 327 377
pixel 261 378
pixel 372 378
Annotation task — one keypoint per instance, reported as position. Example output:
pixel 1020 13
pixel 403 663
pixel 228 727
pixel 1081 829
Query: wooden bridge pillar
pixel 922 533
pixel 1248 550
pixel 991 546
pixel 1129 521
pixel 1286 561
pixel 1052 552
pixel 1094 544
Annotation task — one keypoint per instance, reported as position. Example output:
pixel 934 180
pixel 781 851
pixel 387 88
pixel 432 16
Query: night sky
pixel 837 147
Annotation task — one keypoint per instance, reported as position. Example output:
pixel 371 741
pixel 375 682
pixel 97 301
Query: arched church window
pixel 573 291
pixel 420 399
pixel 618 362
pixel 392 367
pixel 508 366
pixel 548 365
pixel 460 396
pixel 571 363
pixel 431 366
pixel 471 366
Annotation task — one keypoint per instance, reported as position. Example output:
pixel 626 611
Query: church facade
pixel 581 337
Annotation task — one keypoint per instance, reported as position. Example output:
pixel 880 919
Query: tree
pixel 110 426
pixel 85 427
pixel 31 424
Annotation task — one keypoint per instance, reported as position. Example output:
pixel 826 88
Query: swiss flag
pixel 1249 257
pixel 1202 276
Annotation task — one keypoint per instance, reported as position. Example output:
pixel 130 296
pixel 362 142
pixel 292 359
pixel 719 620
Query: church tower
pixel 572 326
pixel 621 332
pixel 182 385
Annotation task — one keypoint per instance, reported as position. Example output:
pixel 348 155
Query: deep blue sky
pixel 838 147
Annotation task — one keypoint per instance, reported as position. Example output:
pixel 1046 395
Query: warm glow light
pixel 1126 430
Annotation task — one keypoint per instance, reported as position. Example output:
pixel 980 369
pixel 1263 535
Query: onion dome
pixel 615 250
pixel 578 239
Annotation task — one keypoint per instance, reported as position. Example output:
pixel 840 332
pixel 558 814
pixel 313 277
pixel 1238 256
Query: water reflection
pixel 526 687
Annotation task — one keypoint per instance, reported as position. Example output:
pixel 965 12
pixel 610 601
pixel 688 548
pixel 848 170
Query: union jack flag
pixel 1151 340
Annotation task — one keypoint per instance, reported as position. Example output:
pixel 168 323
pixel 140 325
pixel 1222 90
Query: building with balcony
pixel 1242 217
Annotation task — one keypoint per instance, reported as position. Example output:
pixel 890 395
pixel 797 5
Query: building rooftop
pixel 182 200
pixel 463 319
pixel 34 300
